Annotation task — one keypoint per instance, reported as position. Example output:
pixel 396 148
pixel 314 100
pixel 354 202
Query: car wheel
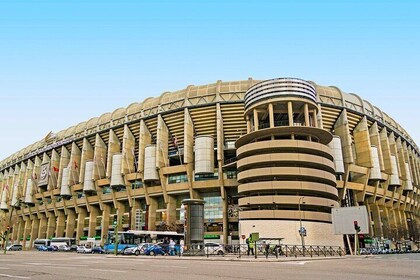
pixel 137 252
pixel 152 253
pixel 220 253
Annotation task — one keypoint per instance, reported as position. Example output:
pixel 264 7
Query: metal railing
pixel 244 250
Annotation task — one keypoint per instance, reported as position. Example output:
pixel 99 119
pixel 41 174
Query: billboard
pixel 344 219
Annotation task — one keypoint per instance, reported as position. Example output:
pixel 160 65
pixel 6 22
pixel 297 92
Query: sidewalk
pixel 232 258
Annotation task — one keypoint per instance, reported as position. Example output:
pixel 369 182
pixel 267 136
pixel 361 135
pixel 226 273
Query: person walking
pixel 172 247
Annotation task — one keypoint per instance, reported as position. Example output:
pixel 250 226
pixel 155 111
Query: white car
pixel 212 248
pixel 83 249
pixel 64 248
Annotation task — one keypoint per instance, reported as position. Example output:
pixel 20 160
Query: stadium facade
pixel 265 156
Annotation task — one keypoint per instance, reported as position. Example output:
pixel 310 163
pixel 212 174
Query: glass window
pixel 177 178
pixel 106 190
pixel 204 177
pixel 137 185
pixel 231 174
pixel 213 208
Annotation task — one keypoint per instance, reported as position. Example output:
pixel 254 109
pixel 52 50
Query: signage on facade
pixel 43 177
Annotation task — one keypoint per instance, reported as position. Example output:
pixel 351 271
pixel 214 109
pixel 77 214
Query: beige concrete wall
pixel 317 233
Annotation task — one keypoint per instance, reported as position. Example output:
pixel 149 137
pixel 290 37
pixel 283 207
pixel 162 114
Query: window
pixel 213 208
pixel 106 190
pixel 204 177
pixel 231 174
pixel 137 185
pixel 177 178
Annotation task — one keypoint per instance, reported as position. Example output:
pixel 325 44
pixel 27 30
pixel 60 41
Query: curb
pixel 230 259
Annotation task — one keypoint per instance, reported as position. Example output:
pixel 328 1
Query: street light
pixel 17 204
pixel 301 229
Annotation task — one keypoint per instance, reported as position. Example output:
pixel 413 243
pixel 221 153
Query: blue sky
pixel 63 62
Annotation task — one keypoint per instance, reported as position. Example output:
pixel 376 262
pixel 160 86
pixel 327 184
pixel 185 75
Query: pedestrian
pixel 181 246
pixel 172 247
pixel 250 243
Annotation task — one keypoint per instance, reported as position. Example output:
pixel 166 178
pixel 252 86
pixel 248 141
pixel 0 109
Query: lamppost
pixel 302 230
pixel 17 204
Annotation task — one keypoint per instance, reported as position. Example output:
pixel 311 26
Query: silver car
pixel 83 249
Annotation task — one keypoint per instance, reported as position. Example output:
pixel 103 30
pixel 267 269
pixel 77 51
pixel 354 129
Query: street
pixel 55 265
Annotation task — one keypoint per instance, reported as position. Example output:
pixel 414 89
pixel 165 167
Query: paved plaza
pixel 54 265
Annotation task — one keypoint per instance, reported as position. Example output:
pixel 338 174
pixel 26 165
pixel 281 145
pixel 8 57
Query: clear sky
pixel 63 62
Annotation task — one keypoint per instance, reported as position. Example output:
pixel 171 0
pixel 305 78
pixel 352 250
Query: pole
pixel 116 235
pixel 8 226
pixel 300 229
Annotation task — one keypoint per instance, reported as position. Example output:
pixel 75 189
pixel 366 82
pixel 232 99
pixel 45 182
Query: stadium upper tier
pixel 201 100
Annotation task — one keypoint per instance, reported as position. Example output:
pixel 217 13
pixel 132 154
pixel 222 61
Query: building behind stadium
pixel 265 156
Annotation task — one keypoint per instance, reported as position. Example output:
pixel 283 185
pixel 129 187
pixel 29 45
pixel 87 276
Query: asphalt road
pixel 54 265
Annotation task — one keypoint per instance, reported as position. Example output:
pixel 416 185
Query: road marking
pixel 4 268
pixel 14 276
pixel 108 270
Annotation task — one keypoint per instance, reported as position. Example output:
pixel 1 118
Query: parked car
pixel 83 249
pixel 212 248
pixel 98 250
pixel 73 248
pixel 138 250
pixel 41 248
pixel 64 248
pixel 154 250
pixel 53 248
pixel 14 247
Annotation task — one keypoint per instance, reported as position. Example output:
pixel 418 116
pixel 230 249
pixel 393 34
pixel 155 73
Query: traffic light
pixel 356 226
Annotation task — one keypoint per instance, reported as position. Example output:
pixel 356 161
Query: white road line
pixel 107 270
pixel 14 276
pixel 3 268
pixel 171 266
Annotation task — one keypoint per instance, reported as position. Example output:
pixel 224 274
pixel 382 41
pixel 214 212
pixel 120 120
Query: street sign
pixel 345 218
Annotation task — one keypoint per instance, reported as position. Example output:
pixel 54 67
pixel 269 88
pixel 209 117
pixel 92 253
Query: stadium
pixel 265 156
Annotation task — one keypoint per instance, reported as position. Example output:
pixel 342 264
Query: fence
pixel 255 250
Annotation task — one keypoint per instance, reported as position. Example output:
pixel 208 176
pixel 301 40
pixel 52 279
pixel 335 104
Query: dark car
pixel 44 248
pixel 154 250
pixel 98 250
pixel 73 248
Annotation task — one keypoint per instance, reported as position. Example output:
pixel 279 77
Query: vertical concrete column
pixel 306 114
pixel 342 129
pixel 385 221
pixel 271 114
pixel 376 215
pixel 52 221
pixel 225 218
pixel 15 233
pixel 20 229
pixel 290 112
pixel 362 144
pixel 386 151
pixel 27 230
pixel 314 118
pixel 248 125
pixel 34 230
pixel 404 224
pixel 256 123
pixel 106 213
pixel 80 222
pixel 393 225
pixel 71 223
pixel 43 224
pixel 171 210
pixel 93 214
pixel 61 224
pixel 151 224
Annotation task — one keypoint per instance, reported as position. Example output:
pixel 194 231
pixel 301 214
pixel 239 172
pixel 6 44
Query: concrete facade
pixel 246 186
